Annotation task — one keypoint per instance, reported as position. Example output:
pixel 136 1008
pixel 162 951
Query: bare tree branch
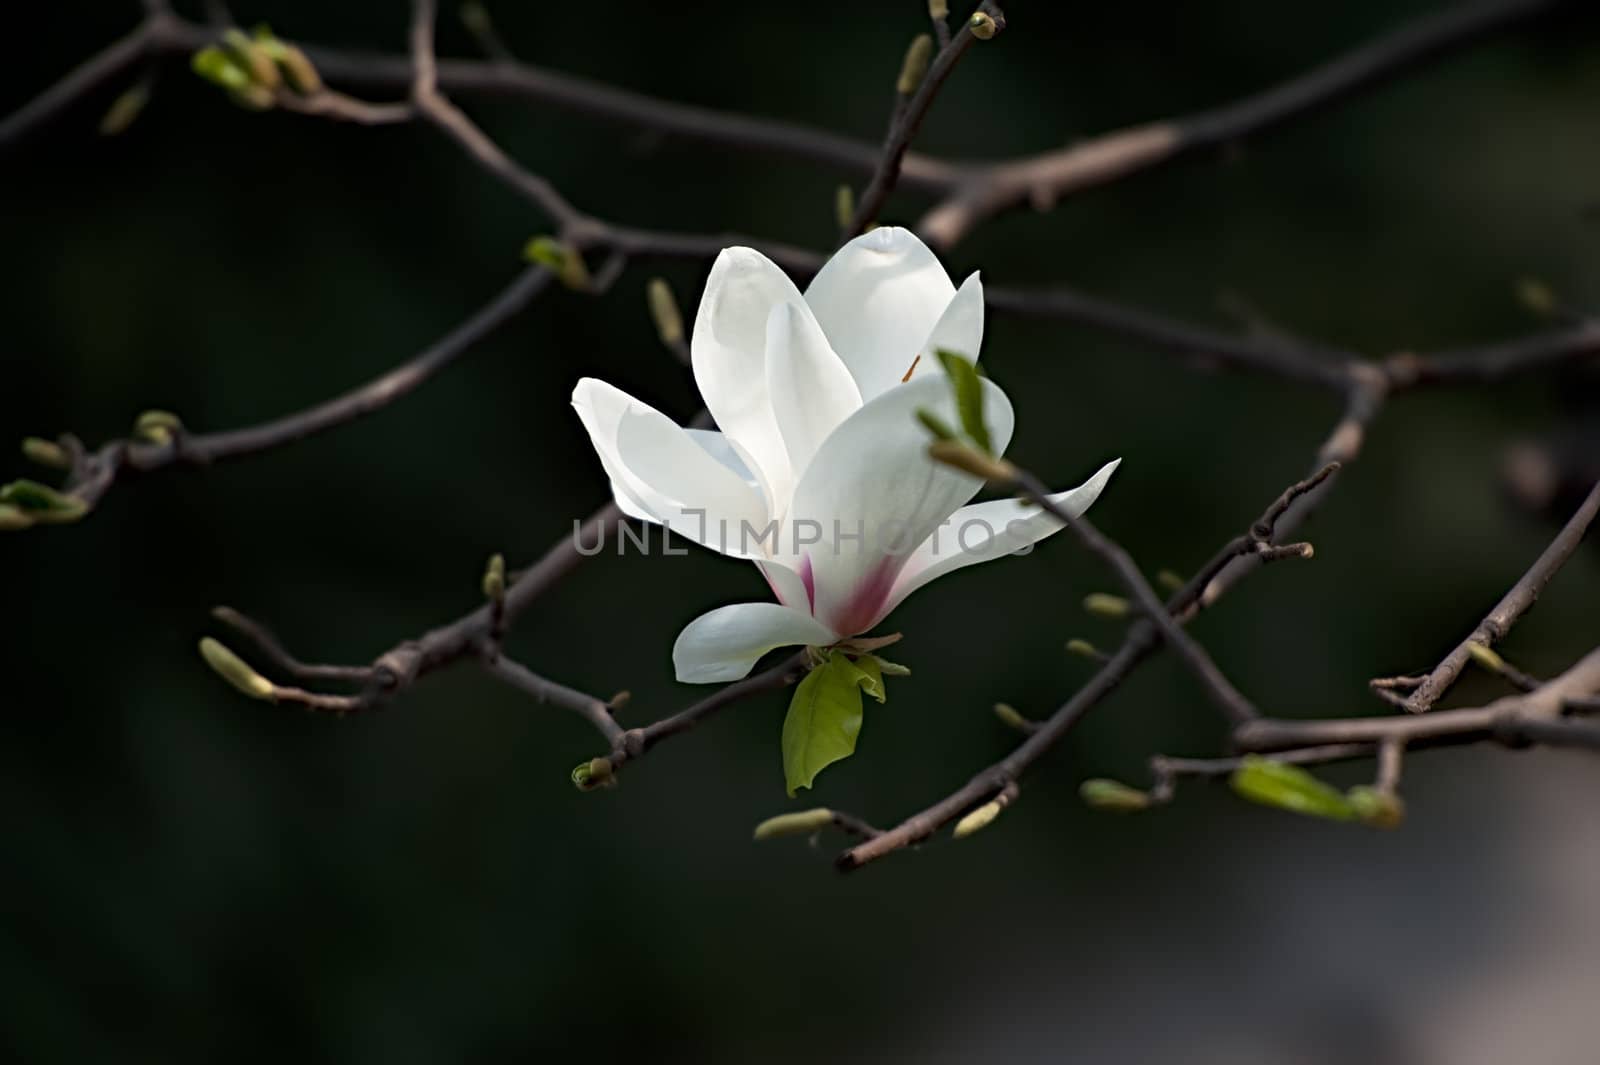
pixel 1142 639
pixel 908 120
pixel 1513 605
pixel 1043 179
pixel 106 66
pixel 95 473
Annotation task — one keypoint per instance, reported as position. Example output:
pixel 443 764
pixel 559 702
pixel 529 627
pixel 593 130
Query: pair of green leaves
pixel 1288 787
pixel 824 716
pixel 967 385
pixel 27 503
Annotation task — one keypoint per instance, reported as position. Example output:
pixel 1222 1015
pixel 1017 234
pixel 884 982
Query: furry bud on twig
pixel 664 311
pixel 494 578
pixel 156 427
pixel 595 773
pixel 1537 297
pixel 46 453
pixel 1084 649
pixel 254 58
pixel 560 259
pixel 1486 657
pixel 844 206
pixel 1105 605
pixel 1009 716
pixel 939 9
pixel 1376 807
pixel 978 819
pixel 126 108
pixel 802 823
pixel 915 66
pixel 1100 793
pixel 983 25
pixel 235 670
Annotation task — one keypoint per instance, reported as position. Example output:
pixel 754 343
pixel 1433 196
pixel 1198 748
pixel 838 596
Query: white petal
pixel 985 531
pixel 873 476
pixel 674 480
pixel 721 448
pixel 877 300
pixel 728 353
pixel 960 328
pixel 602 427
pixel 811 390
pixel 787 585
pixel 724 644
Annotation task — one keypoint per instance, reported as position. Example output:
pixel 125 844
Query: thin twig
pixel 1142 639
pixel 1043 179
pixel 88 77
pixel 543 690
pixel 907 121
pixel 1228 698
pixel 96 473
pixel 1512 606
pixel 264 639
pixel 1166 771
pixel 636 741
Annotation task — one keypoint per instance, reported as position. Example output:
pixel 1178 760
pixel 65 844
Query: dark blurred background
pixel 190 876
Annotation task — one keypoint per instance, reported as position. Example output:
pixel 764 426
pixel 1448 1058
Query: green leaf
pixel 935 424
pixel 824 720
pixel 1289 788
pixel 43 503
pixel 969 397
pixel 1113 795
pixel 220 68
pixel 871 670
pixel 891 669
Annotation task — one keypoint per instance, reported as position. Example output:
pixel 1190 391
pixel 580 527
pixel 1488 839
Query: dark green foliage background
pixel 191 876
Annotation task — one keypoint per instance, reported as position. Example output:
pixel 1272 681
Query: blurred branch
pixel 89 77
pixel 1532 717
pixel 1515 720
pixel 1044 179
pixel 95 473
pixel 1142 639
pixel 908 118
pixel 635 742
pixel 975 188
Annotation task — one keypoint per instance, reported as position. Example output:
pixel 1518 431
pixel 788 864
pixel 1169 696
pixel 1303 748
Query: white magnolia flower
pixel 820 473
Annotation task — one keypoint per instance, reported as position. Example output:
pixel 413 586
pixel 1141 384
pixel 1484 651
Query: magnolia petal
pixel 877 300
pixel 671 478
pixel 984 531
pixel 603 435
pixel 959 329
pixel 811 390
pixel 728 354
pixel 787 584
pixel 721 448
pixel 724 644
pixel 873 478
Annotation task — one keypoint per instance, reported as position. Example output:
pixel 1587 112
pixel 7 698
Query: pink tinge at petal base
pixel 868 601
pixel 809 579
